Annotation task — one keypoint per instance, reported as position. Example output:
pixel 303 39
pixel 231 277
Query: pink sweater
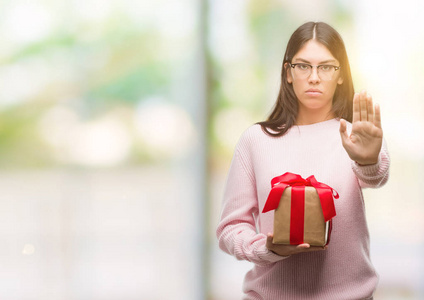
pixel 344 270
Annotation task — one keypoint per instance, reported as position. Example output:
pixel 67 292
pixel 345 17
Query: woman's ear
pixel 340 80
pixel 289 75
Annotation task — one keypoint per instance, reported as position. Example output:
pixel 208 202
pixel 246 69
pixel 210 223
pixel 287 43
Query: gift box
pixel 303 208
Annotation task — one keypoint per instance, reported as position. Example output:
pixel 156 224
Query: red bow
pixel 325 194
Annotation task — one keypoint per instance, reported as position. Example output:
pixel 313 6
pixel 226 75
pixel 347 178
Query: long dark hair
pixel 285 111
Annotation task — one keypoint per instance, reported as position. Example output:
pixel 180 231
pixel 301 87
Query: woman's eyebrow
pixel 322 62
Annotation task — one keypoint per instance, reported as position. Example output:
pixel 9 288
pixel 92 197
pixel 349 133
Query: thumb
pixel 269 240
pixel 269 236
pixel 343 130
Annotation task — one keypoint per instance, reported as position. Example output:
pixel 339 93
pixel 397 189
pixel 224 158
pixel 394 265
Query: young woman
pixel 318 127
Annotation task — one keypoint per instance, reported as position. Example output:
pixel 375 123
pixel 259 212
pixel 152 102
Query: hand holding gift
pixel 287 250
pixel 364 142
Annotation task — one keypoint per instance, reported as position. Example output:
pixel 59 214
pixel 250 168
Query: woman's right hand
pixel 287 250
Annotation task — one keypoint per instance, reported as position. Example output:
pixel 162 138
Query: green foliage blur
pixel 87 68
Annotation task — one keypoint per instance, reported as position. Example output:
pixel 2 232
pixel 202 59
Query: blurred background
pixel 118 120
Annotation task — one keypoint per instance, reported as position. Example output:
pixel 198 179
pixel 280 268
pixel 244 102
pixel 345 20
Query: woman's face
pixel 314 93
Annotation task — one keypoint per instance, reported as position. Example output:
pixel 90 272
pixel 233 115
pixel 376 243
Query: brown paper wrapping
pixel 315 228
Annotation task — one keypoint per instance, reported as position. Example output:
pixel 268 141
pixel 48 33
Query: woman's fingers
pixel 303 246
pixel 356 108
pixel 343 126
pixel 286 250
pixel 363 108
pixel 343 132
pixel 307 247
pixel 269 238
pixel 370 109
pixel 363 105
pixel 377 119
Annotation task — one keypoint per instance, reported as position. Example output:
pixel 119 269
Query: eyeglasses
pixel 325 72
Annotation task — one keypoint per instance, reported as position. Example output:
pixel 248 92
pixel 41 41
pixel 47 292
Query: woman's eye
pixel 326 68
pixel 303 67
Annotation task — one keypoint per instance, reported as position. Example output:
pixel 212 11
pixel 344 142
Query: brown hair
pixel 283 116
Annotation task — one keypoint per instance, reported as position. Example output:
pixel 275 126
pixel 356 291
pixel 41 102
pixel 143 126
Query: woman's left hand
pixel 364 143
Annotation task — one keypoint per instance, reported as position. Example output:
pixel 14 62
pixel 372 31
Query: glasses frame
pixel 336 68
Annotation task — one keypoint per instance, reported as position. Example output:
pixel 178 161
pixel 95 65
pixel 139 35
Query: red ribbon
pixel 297 213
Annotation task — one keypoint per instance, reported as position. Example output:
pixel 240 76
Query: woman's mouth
pixel 313 92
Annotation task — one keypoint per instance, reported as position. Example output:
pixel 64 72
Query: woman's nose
pixel 314 77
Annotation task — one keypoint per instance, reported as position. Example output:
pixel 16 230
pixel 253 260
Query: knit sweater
pixel 344 270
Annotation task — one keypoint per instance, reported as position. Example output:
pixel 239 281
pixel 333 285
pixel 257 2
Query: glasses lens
pixel 302 70
pixel 326 72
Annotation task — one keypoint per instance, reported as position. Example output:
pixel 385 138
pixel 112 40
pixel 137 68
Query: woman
pixel 308 133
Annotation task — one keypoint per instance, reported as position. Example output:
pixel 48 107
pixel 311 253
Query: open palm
pixel 364 142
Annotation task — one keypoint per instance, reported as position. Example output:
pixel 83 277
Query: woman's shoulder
pixel 253 133
pixel 251 137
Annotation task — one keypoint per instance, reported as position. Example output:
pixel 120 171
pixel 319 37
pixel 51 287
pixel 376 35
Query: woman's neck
pixel 312 117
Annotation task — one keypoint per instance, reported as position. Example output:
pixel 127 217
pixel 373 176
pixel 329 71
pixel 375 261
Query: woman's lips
pixel 313 92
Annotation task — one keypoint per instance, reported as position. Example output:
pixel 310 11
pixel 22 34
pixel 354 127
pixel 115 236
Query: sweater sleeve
pixel 376 175
pixel 236 231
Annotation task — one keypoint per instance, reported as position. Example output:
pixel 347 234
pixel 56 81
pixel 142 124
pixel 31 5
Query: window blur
pixel 118 120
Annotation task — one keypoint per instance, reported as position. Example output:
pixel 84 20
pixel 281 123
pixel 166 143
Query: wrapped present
pixel 303 210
